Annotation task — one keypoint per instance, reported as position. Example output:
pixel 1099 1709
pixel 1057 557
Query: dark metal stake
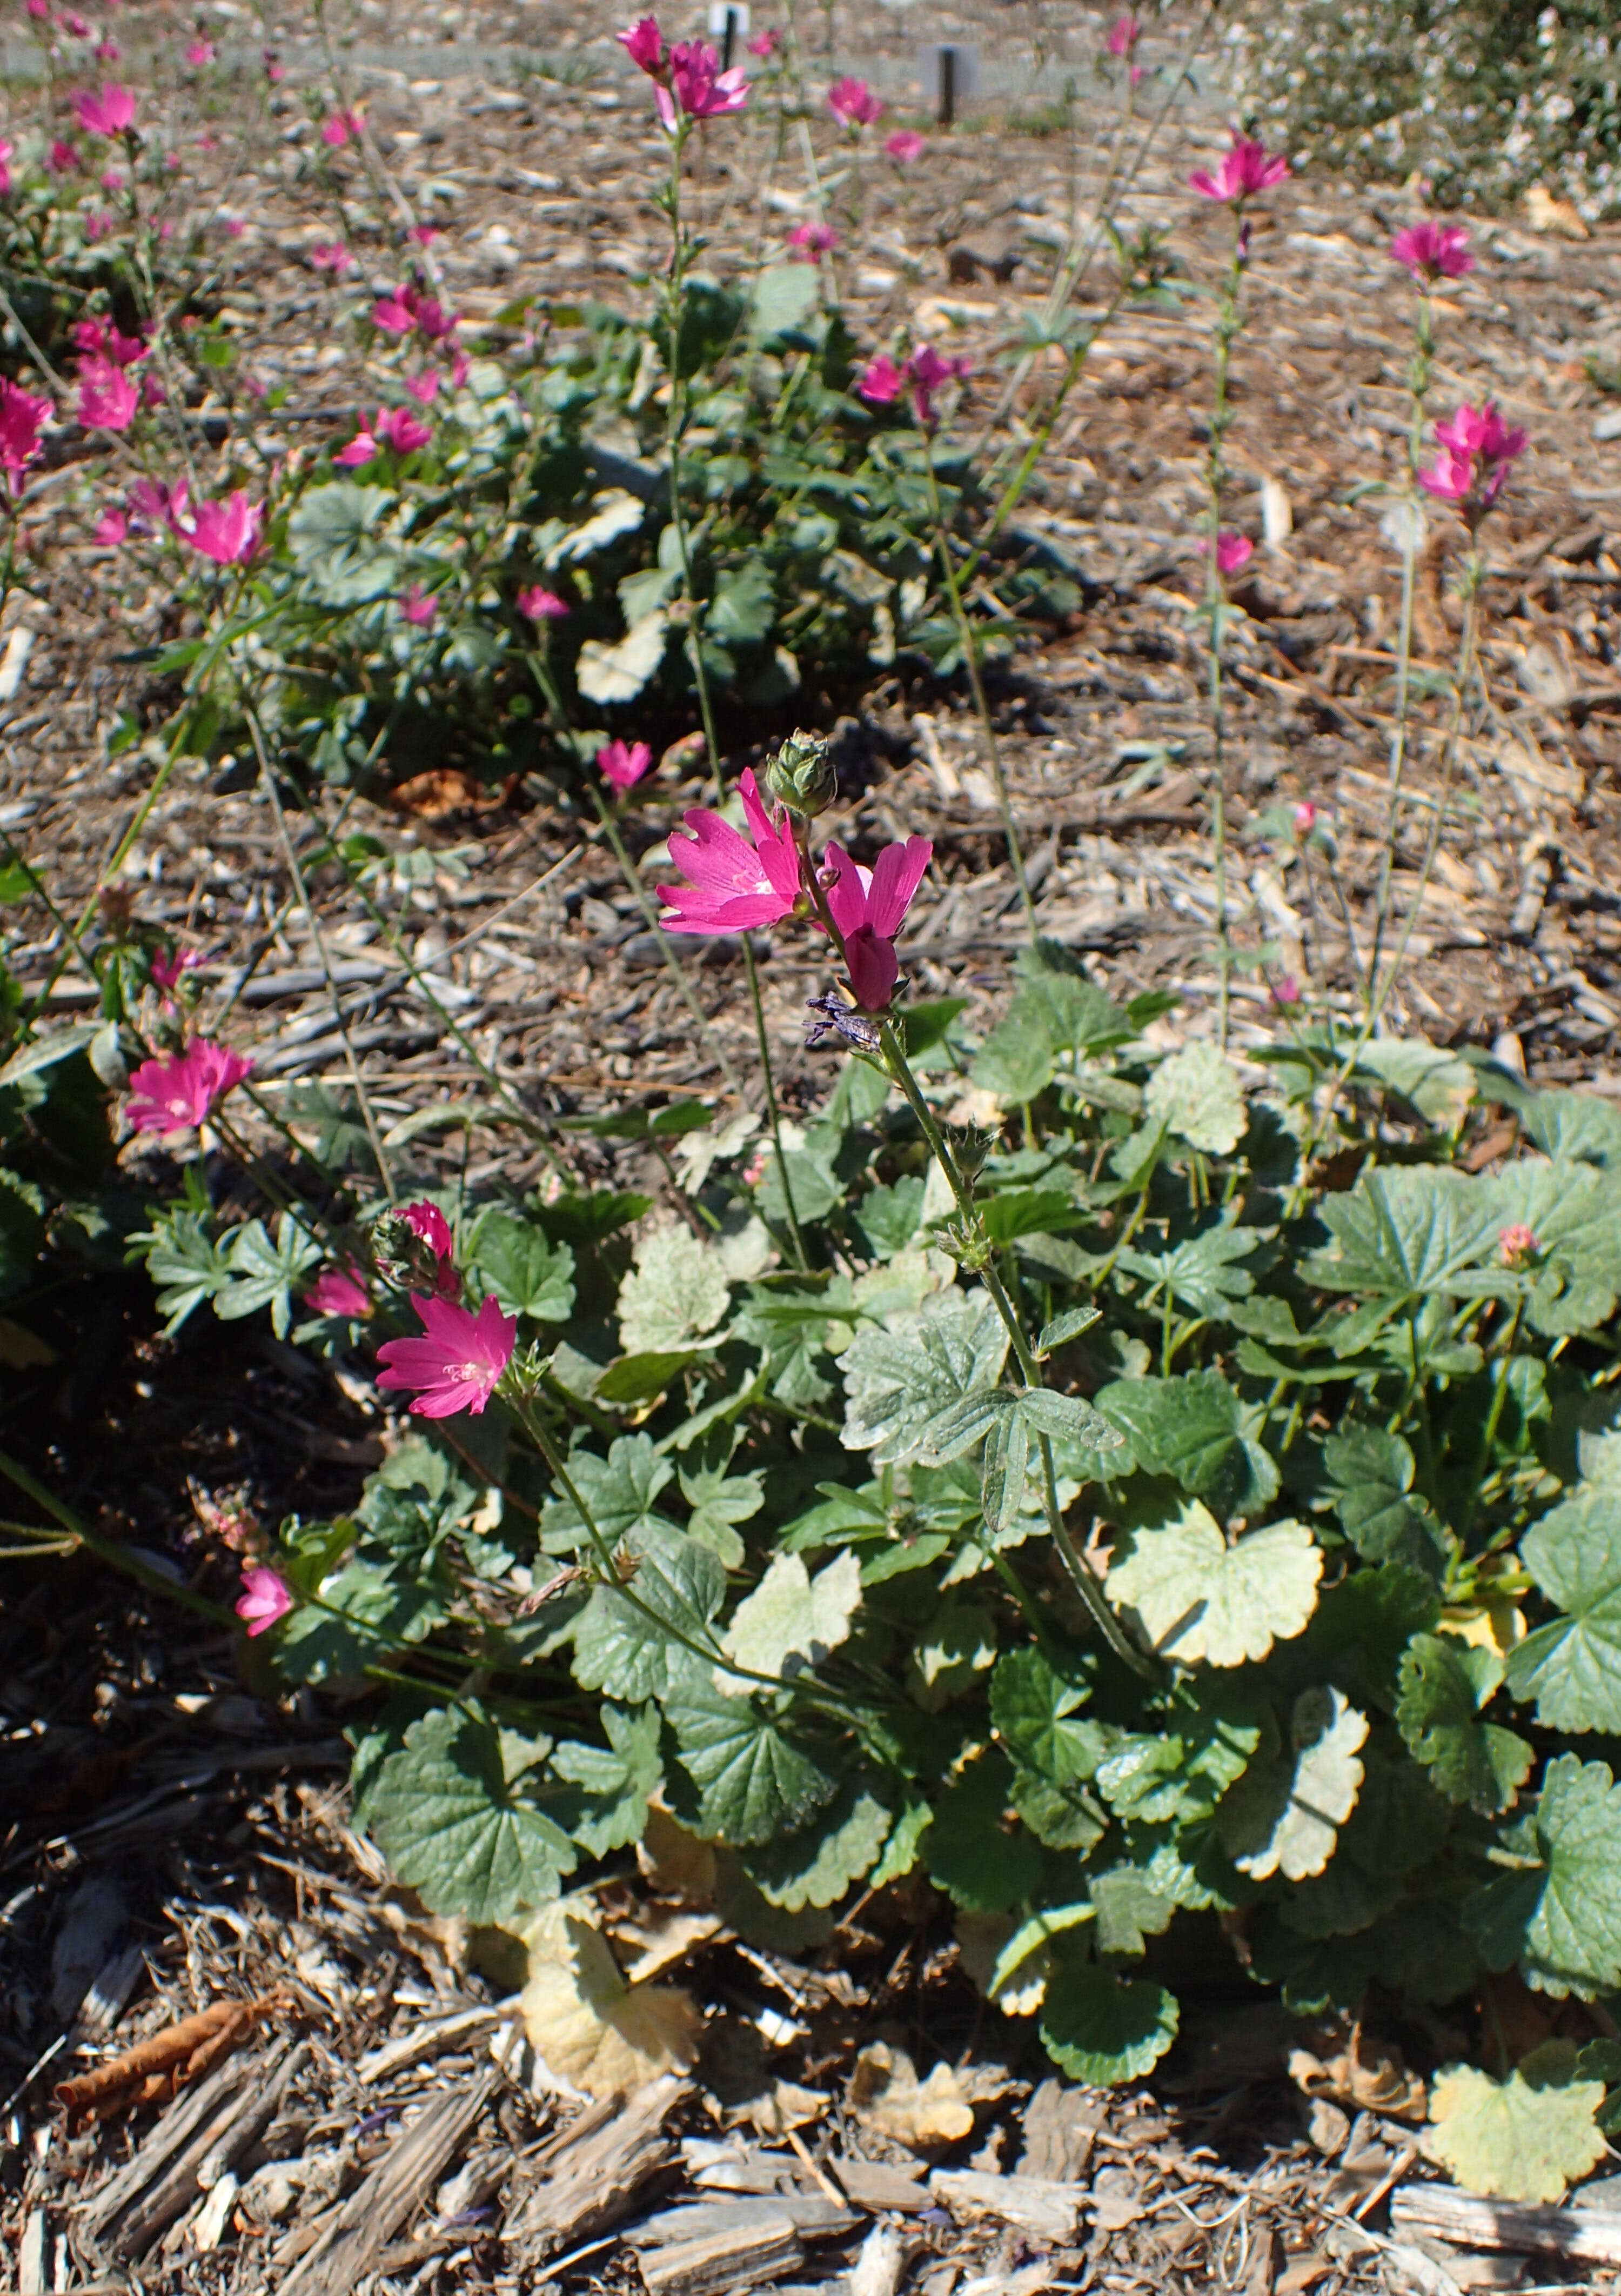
pixel 725 49
pixel 948 87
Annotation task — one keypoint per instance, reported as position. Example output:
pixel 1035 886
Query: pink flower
pixel 274 73
pixel 927 371
pixel 432 318
pixel 200 53
pixel 424 387
pixel 233 226
pixel 340 1291
pixel 1306 818
pixel 331 255
pixel 424 232
pixel 104 339
pixel 1247 168
pixel 268 1598
pixel 880 380
pixel 172 1095
pixel 112 112
pixel 21 419
pixel 419 606
pixel 1516 1244
pixel 1433 250
pixel 361 448
pixel 152 393
pixel 62 159
pixel 399 428
pixel 392 316
pixel 107 397
pixel 1450 478
pixel 538 605
pixel 6 173
pixel 697 86
pixel 814 238
pixel 111 527
pixel 39 10
pixel 155 504
pixel 1123 34
pixel 1233 552
pixel 429 1224
pixel 456 1366
pixel 1285 991
pixel 107 52
pixel 854 101
pixel 643 44
pixel 338 127
pixel 75 27
pixel 624 763
pixel 1481 430
pixel 167 971
pixel 868 906
pixel 732 884
pixel 1477 448
pixel 227 532
pixel 460 367
pixel 906 145
pixel 765 44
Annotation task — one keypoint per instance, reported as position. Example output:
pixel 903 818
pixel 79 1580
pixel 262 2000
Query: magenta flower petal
pixel 873 967
pixel 624 763
pixel 429 1223
pixel 174 1095
pixel 266 1599
pixel 456 1365
pixel 897 874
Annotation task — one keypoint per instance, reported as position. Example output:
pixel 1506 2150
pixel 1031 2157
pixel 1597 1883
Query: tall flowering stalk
pixel 1246 169
pixel 688 87
pixel 1432 253
pixel 737 881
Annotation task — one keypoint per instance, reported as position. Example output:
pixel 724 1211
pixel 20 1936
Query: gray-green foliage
pixel 1341 1466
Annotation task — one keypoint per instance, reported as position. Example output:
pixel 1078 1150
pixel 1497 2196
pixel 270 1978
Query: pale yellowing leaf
pixel 591 2029
pixel 1527 2139
pixel 792 1620
pixel 886 2095
pixel 1284 1816
pixel 1196 1092
pixel 675 1294
pixel 1200 1598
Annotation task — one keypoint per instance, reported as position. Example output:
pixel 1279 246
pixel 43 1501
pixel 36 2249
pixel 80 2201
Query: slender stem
pixel 633 878
pixel 368 1115
pixel 1227 324
pixel 968 639
pixel 1418 391
pixel 110 1550
pixel 774 1113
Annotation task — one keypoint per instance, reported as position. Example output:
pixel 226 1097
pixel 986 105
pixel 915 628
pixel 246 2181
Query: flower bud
pixel 801 775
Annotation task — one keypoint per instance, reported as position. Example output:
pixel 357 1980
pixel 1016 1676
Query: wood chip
pixel 1438 2212
pixel 738 2256
pixel 592 2177
pixel 1046 2211
pixel 163 2063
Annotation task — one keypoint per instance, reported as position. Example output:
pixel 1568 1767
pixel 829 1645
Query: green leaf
pixel 782 298
pixel 1198 1428
pixel 332 535
pixel 363 1612
pixel 981 1866
pixel 719 1500
pixel 1370 1470
pixel 1102 2031
pixel 676 1292
pixel 619 1491
pixel 414 1500
pixel 1200 1598
pixel 1197 1094
pixel 1439 1084
pixel 815 1189
pixel 1013 1212
pixel 620 1649
pixel 1528 2138
pixel 1033 1706
pixel 792 1621
pixel 1017 1060
pixel 1560 1916
pixel 638 1378
pixel 614 674
pixel 1572 1667
pixel 744 606
pixel 1202 1273
pixel 453 1824
pixel 1445 1684
pixel 262 1274
pixel 1067 1327
pixel 897 1382
pixel 1283 1816
pixel 1361 1625
pixel 889 1217
pixel 1002 1472
pixel 616 1782
pixel 755 1783
pixel 1129 1911
pixel 816 1868
pixel 529 1275
pixel 1034 1937
pixel 1401 1232
pixel 1574 1213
